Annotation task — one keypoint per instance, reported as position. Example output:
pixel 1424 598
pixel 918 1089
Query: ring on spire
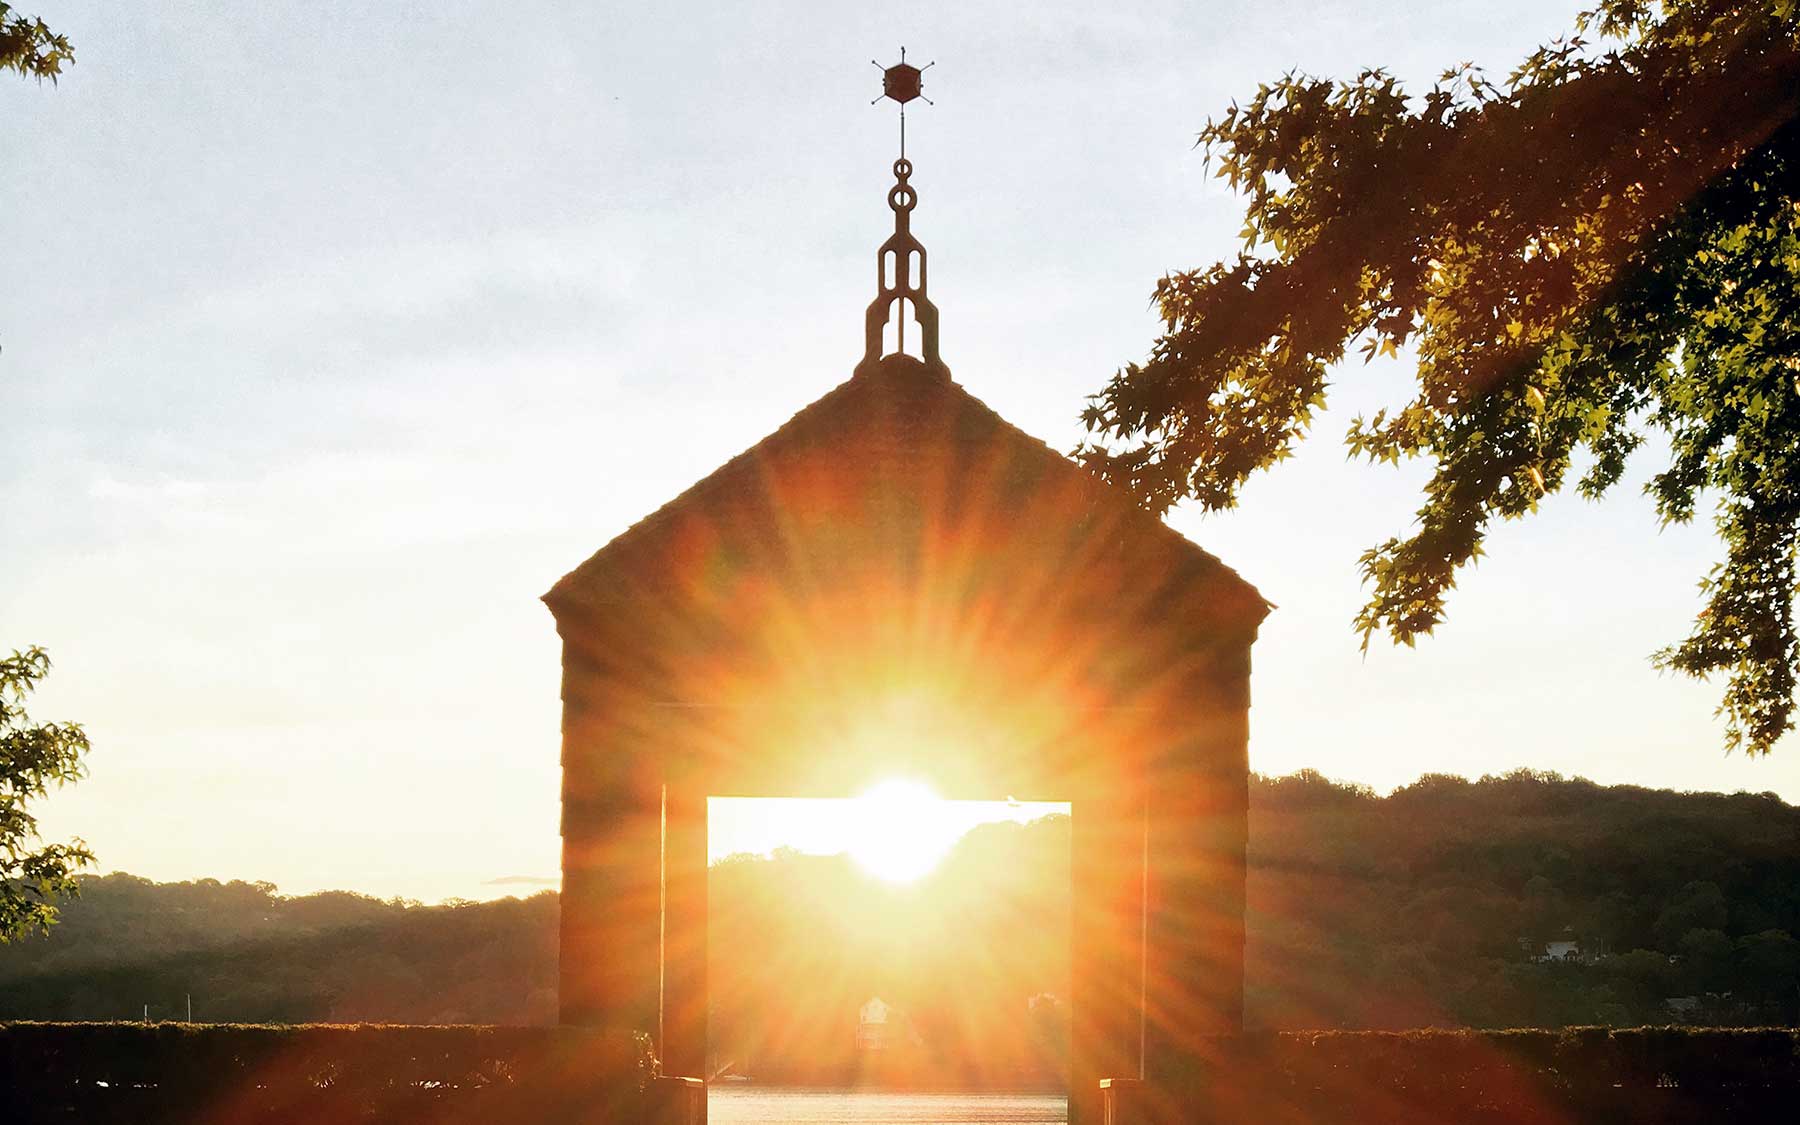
pixel 902 197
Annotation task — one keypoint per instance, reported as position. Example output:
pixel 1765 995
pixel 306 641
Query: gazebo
pixel 899 582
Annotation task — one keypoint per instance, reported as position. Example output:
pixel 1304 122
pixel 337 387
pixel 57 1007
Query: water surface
pixel 747 1105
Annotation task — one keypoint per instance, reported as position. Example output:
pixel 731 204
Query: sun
pixel 901 830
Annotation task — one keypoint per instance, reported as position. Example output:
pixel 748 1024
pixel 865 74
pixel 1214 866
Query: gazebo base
pixel 677 1101
pixel 1134 1101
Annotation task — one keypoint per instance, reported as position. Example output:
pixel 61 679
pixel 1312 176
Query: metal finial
pixel 903 82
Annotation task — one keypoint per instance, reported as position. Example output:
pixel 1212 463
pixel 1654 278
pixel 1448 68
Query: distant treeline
pixel 246 954
pixel 1439 905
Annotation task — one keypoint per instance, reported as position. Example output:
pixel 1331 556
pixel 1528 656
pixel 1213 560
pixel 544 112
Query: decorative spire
pixel 900 263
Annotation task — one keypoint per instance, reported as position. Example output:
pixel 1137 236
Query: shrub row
pixel 1573 1075
pixel 226 1074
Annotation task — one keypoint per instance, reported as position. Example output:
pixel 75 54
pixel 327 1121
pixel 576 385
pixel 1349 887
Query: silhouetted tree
pixel 1604 246
pixel 34 757
pixel 1699 906
pixel 1769 963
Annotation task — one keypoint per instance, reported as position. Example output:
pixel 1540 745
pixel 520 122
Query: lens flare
pixel 902 830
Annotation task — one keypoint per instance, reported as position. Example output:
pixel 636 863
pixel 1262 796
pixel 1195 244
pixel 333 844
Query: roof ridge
pixel 895 370
pixel 705 483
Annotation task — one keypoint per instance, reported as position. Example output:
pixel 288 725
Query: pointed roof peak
pixel 902 428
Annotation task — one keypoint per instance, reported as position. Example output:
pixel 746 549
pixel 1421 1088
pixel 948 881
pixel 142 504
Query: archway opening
pixel 889 942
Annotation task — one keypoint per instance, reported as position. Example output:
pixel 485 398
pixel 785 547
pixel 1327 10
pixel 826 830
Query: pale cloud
pixel 158 491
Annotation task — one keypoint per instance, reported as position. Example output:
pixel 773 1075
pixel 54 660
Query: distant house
pixel 873 1030
pixel 1567 947
pixel 882 1027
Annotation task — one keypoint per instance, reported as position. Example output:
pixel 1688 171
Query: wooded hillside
pixel 1434 906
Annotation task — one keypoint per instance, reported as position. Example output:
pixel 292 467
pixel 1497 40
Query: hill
pixel 245 953
pixel 1441 903
pixel 1523 900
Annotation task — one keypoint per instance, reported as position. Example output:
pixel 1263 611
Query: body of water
pixel 747 1105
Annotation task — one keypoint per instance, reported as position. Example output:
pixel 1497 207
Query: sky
pixel 331 335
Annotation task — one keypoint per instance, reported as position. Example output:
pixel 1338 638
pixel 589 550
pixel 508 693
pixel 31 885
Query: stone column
pixel 1106 948
pixel 608 940
pixel 612 839
pixel 1198 818
pixel 684 964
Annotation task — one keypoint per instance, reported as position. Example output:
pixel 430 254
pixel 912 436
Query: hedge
pixel 1573 1075
pixel 226 1074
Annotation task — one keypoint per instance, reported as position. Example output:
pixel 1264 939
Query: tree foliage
pixel 28 46
pixel 34 757
pixel 1602 247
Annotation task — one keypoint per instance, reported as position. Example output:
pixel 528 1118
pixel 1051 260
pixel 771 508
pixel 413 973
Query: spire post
pixel 900 276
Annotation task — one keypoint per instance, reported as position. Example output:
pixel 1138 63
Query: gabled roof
pixel 899 428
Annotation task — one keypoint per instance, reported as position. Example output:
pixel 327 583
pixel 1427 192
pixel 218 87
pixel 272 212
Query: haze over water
pixel 728 1106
